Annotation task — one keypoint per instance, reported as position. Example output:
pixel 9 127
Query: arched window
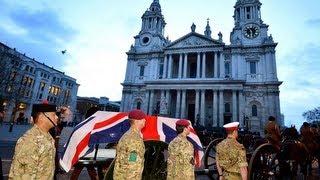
pixel 227 107
pixel 254 110
pixel 138 105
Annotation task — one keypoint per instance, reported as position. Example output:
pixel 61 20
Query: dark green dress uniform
pixel 129 157
pixel 34 156
pixel 231 156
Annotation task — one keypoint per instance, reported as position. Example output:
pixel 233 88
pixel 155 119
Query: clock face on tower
pixel 145 40
pixel 251 31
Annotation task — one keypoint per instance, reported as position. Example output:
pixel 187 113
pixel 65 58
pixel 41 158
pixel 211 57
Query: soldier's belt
pixel 232 173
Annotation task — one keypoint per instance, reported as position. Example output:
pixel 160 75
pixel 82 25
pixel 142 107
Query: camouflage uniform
pixel 231 156
pixel 130 156
pixel 272 133
pixel 180 160
pixel 34 156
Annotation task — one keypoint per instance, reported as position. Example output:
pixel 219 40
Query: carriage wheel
pixel 210 157
pixel 155 164
pixel 264 163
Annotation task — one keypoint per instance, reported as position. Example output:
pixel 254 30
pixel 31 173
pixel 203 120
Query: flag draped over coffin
pixel 108 127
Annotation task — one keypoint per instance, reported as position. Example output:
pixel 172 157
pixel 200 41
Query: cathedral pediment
pixel 193 40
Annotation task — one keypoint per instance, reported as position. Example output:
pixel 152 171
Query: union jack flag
pixel 108 127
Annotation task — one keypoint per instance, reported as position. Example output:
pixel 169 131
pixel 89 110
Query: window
pixel 27 68
pixel 31 69
pixel 248 9
pixel 54 79
pixel 138 105
pixel 161 71
pixel 42 86
pixel 227 107
pixel 40 96
pixel 254 111
pixel 141 70
pixel 227 68
pixel 253 68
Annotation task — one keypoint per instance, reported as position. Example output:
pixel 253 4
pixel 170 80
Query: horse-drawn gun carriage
pixel 267 161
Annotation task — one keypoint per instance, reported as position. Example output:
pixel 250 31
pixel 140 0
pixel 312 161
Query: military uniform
pixel 180 160
pixel 130 156
pixel 34 156
pixel 231 156
pixel 272 133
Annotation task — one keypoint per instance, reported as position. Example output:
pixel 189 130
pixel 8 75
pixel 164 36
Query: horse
pixel 293 153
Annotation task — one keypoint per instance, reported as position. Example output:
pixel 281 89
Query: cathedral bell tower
pixel 249 28
pixel 151 36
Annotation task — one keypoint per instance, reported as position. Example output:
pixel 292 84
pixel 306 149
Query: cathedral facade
pixel 202 79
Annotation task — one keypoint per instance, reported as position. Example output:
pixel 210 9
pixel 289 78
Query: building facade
pixel 201 78
pixel 103 103
pixel 25 81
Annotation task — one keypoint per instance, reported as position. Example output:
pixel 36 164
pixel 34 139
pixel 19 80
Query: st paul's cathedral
pixel 201 78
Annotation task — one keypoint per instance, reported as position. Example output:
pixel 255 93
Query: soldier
pixel 272 132
pixel 130 151
pixel 231 155
pixel 35 151
pixel 180 154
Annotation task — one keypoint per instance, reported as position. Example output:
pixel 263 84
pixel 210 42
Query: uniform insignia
pixel 133 156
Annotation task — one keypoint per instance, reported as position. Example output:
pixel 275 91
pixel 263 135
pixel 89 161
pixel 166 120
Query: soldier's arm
pixel 218 165
pixel 24 161
pixel 244 173
pixel 242 161
pixel 135 160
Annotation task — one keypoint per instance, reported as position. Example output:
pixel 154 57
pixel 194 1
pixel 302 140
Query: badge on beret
pixel 133 156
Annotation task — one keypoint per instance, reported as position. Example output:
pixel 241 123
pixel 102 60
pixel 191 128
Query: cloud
pixel 301 88
pixel 40 33
pixel 43 25
pixel 313 23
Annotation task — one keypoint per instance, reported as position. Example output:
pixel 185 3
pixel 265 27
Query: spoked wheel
pixel 210 157
pixel 264 163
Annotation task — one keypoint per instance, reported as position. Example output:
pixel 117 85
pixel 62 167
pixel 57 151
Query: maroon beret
pixel 136 114
pixel 183 122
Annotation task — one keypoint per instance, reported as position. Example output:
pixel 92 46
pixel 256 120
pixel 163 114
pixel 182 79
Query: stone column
pixel 151 102
pixel 222 74
pixel 215 65
pixel 221 108
pixel 215 109
pixel 198 65
pixel 197 104
pixel 241 109
pixel 183 103
pixel 146 102
pixel 162 97
pixel 180 66
pixel 165 64
pixel 170 67
pixel 204 65
pixel 178 104
pixel 185 65
pixel 234 106
pixel 202 107
pixel 168 101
